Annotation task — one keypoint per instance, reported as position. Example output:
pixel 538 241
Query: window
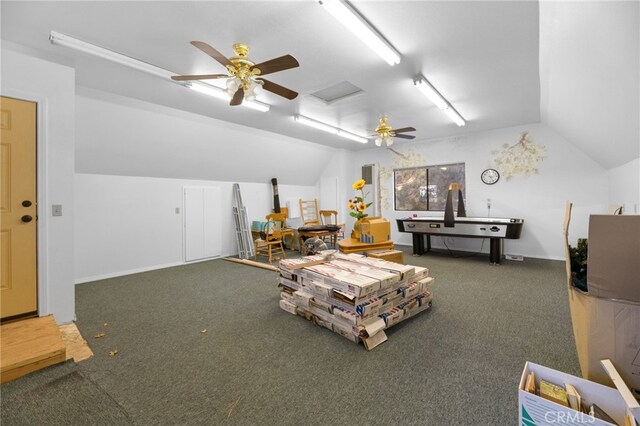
pixel 426 188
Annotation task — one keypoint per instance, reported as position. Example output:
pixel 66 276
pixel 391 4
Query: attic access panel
pixel 337 91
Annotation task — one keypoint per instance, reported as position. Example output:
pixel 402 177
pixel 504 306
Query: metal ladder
pixel 246 248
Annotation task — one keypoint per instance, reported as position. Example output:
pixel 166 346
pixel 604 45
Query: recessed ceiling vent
pixel 337 92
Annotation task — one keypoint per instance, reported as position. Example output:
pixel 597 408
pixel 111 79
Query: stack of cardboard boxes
pixel 355 296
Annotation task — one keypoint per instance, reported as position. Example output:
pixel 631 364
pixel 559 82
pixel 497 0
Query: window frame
pixel 427 169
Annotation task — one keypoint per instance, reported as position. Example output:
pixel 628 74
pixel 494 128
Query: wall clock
pixel 490 176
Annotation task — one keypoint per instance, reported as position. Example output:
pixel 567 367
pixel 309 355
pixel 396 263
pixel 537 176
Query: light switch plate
pixel 56 210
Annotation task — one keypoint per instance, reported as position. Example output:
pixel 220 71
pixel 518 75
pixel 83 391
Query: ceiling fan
pixel 244 76
pixel 385 133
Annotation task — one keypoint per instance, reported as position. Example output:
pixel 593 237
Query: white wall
pixel 624 186
pixel 128 224
pixel 53 87
pixel 589 68
pixel 126 137
pixel 566 174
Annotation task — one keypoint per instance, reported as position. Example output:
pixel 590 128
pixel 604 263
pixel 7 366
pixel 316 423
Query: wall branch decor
pixel 521 158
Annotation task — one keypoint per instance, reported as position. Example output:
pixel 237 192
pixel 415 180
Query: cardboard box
pixel 358 285
pixel 316 286
pixel 302 298
pixel 534 410
pixel 392 317
pixel 386 278
pixel 606 320
pixel 374 230
pixel 404 271
pixel 395 256
pixel 288 306
pixel 345 331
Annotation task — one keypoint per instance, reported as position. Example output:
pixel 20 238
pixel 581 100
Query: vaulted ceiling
pixel 482 56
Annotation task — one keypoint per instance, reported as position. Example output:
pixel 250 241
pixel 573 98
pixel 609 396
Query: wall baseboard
pixel 139 270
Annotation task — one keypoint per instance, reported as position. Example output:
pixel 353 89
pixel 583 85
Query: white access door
pixel 201 222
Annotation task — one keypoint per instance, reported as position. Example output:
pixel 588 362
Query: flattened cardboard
pixel 614 257
pixel 606 329
pixel 375 340
pixel 395 256
pixel 373 326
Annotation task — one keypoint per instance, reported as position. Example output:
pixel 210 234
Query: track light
pixel 110 55
pixel 427 89
pixel 350 18
pixel 328 128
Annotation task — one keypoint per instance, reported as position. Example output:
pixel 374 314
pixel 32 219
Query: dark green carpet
pixel 458 363
pixel 59 395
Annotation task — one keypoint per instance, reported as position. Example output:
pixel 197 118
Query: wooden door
pixel 18 292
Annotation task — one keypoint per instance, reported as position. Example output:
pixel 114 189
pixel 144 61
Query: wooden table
pixel 351 245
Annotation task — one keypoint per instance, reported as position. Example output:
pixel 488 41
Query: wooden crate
pixel 391 255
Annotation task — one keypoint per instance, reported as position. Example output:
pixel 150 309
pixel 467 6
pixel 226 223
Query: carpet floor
pixel 206 343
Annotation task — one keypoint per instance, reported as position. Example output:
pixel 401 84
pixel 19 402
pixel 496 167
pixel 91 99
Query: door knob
pixel 26 218
pixel 26 203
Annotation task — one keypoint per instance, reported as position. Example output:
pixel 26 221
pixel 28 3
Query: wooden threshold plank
pixel 28 345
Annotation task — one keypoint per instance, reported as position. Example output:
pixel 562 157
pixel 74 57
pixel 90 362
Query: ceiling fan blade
pixel 198 77
pixel 404 129
pixel 278 64
pixel 212 52
pixel 278 90
pixel 237 97
pixel 405 136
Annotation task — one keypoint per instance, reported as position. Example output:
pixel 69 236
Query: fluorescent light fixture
pixel 219 93
pixel 431 93
pixel 316 124
pixel 329 129
pixel 454 116
pixel 352 136
pixel 207 89
pixel 350 18
pixel 427 89
pixel 110 55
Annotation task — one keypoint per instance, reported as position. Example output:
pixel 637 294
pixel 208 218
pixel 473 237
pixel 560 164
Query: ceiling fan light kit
pixel 354 22
pixel 244 78
pixel 427 89
pixel 385 133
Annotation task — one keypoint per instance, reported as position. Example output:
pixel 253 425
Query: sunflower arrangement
pixel 357 204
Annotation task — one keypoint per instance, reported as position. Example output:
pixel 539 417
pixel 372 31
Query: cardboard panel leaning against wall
pixel 564 173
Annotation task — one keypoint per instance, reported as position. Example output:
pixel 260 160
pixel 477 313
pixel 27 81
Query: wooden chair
pixel 309 212
pixel 330 217
pixel 270 243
